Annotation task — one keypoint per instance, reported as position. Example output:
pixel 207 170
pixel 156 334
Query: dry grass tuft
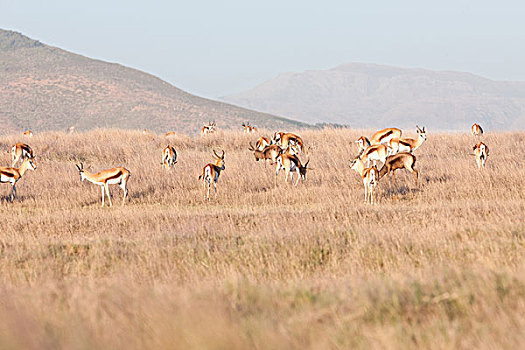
pixel 438 266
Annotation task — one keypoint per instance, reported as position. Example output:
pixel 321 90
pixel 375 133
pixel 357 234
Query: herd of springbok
pixel 282 150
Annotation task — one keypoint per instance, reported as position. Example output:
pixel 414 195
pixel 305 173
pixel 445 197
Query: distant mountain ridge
pixel 369 95
pixel 46 88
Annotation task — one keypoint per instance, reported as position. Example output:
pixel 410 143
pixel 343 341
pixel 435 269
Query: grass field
pixel 440 265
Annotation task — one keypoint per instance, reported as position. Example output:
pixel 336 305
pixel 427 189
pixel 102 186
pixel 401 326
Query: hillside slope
pixel 367 95
pixel 46 88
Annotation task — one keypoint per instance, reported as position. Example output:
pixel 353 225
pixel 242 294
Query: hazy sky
pixel 215 48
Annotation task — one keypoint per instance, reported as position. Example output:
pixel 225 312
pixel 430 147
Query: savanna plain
pixel 438 265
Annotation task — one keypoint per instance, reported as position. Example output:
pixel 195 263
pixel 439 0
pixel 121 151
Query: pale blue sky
pixel 215 48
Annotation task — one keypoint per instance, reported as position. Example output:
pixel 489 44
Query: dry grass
pixel 438 266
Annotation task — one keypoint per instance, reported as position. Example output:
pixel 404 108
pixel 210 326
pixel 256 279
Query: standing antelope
pixel 370 178
pixel 385 135
pixel 408 145
pixel 71 129
pixel 248 128
pixel 115 176
pixel 20 151
pixel 28 133
pixel 208 129
pixel 211 173
pixel 481 151
pixel 169 157
pixel 362 143
pixel 290 163
pixel 12 175
pixel 268 153
pixel 262 143
pixel 476 130
pixel 286 139
pixel 399 161
pixel 374 153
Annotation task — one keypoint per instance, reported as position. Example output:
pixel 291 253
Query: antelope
pixel 262 142
pixel 12 175
pixel 374 153
pixel 20 151
pixel 145 131
pixel 476 130
pixel 408 145
pixel 481 151
pixel 71 129
pixel 370 178
pixel 211 173
pixel 115 176
pixel 170 134
pixel 385 135
pixel 28 133
pixel 362 143
pixel 268 153
pixel 208 129
pixel 290 163
pixel 285 139
pixel 169 157
pixel 399 161
pixel 248 128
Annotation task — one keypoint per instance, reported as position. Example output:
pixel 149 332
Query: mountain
pixel 46 88
pixel 368 95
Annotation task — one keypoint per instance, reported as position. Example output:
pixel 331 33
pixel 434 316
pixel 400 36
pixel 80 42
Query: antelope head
pixel 220 159
pixel 81 171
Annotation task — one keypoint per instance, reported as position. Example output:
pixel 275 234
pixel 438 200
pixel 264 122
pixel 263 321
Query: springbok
pixel 362 143
pixel 20 151
pixel 481 151
pixel 248 128
pixel 115 176
pixel 399 161
pixel 28 133
pixel 370 178
pixel 408 145
pixel 12 175
pixel 374 153
pixel 385 135
pixel 290 163
pixel 71 130
pixel 262 143
pixel 268 153
pixel 476 130
pixel 170 134
pixel 211 173
pixel 208 129
pixel 169 157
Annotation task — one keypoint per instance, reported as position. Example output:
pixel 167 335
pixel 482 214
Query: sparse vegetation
pixel 434 266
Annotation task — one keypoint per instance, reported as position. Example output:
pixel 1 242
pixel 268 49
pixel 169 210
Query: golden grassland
pixel 436 266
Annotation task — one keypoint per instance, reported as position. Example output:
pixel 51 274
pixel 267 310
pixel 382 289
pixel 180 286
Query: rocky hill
pixel 46 88
pixel 367 95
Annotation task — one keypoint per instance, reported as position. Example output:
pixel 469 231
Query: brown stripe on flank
pixel 389 132
pixel 114 176
pixel 404 143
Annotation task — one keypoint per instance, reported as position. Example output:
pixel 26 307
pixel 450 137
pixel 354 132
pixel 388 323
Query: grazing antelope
pixel 408 145
pixel 169 157
pixel 481 151
pixel 399 161
pixel 370 178
pixel 20 151
pixel 476 130
pixel 12 175
pixel 268 153
pixel 385 135
pixel 248 128
pixel 286 139
pixel 374 153
pixel 28 133
pixel 208 129
pixel 211 173
pixel 115 176
pixel 262 143
pixel 170 134
pixel 362 143
pixel 290 163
